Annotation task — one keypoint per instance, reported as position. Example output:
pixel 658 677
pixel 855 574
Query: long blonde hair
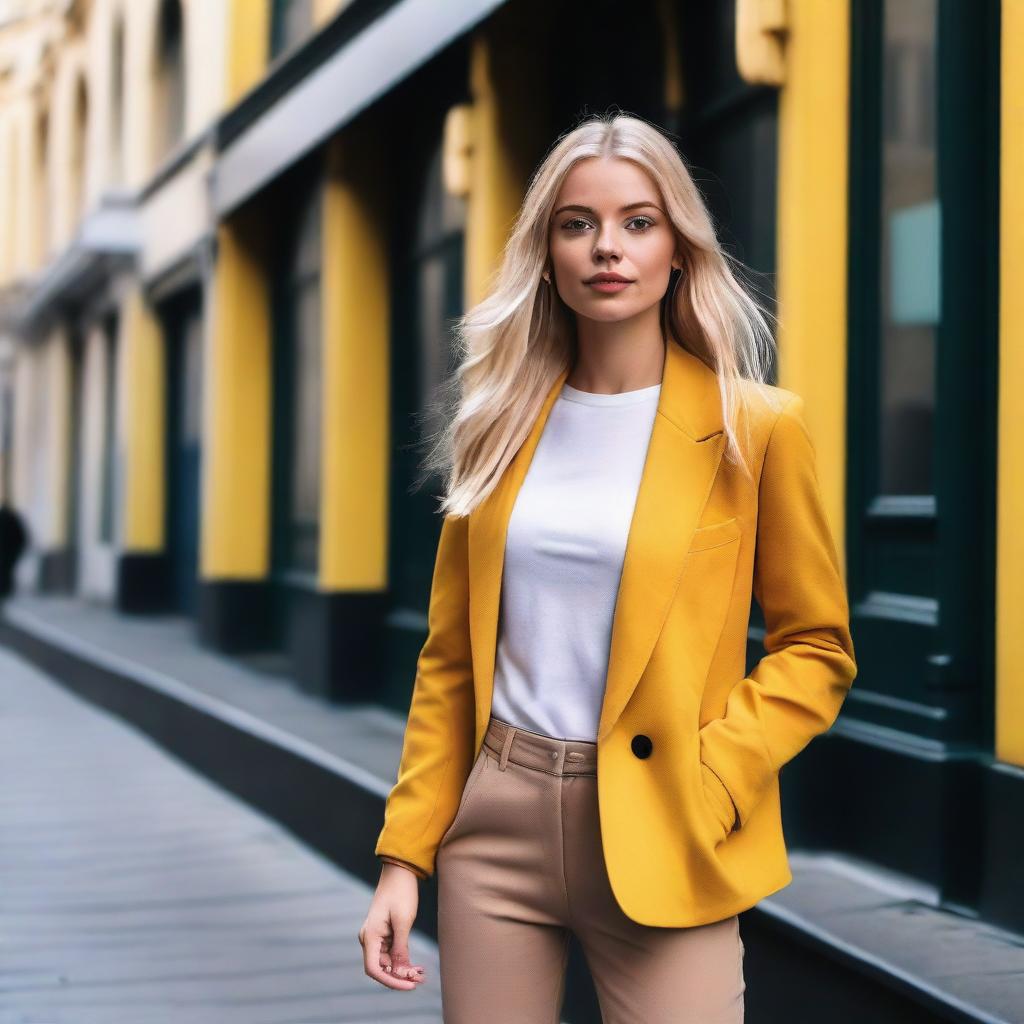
pixel 514 343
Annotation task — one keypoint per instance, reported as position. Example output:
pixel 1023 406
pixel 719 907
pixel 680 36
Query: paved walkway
pixel 132 891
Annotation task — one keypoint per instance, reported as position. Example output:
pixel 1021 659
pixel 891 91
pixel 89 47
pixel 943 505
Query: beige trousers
pixel 520 869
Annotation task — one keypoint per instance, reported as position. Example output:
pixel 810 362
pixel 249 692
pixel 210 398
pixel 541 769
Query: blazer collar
pixel 686 446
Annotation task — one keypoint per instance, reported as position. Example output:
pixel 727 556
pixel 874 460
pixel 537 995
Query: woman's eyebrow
pixel 587 209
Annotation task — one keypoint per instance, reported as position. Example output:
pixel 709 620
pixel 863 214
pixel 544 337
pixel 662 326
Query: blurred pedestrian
pixel 13 539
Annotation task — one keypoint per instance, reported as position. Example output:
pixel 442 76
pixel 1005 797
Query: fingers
pixel 401 967
pixel 381 965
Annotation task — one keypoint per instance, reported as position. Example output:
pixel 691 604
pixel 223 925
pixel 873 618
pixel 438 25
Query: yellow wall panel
pixel 357 378
pixel 249 44
pixel 237 440
pixel 1010 507
pixel 142 425
pixel 813 238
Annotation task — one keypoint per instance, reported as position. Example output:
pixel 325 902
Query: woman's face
pixel 609 218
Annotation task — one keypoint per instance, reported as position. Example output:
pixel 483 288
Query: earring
pixel 547 280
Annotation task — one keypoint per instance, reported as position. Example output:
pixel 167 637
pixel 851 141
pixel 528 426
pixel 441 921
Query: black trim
pixel 334 642
pixel 912 807
pixel 142 582
pixel 234 615
pixel 1002 896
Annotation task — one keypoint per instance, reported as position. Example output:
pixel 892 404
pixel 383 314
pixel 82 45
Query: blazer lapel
pixel 686 446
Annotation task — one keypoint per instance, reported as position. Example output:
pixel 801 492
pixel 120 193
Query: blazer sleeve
pixel 437 750
pixel 418 872
pixel 796 690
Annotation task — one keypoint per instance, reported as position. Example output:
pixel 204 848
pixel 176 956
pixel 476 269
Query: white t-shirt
pixel 563 561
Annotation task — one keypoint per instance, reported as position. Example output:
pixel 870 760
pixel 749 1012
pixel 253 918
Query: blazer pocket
pixel 718 795
pixel 715 534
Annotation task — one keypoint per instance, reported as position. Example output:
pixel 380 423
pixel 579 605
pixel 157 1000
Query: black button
pixel 642 745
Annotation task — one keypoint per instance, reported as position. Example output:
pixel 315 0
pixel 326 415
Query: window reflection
pixel 302 300
pixel 291 22
pixel 439 239
pixel 910 285
pixel 170 79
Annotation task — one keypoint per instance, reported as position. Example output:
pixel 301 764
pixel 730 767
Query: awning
pixel 107 238
pixel 364 67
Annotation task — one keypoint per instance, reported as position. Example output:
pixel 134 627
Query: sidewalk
pixel 135 892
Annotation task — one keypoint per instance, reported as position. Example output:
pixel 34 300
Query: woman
pixel 584 753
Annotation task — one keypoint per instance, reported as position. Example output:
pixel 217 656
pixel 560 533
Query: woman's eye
pixel 578 224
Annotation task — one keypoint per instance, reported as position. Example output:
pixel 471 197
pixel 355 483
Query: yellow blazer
pixel 689 749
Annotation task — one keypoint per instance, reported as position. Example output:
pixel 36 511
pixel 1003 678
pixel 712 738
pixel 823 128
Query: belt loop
pixel 506 746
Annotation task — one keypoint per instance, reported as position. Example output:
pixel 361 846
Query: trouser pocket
pixel 479 767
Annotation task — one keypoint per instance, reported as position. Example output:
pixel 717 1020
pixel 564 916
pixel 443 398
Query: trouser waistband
pixel 533 750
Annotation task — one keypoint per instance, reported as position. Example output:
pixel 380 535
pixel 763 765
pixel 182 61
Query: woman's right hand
pixel 384 935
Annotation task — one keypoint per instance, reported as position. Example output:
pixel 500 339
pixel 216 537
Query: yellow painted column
pixel 235 527
pixel 1009 731
pixel 141 425
pixel 813 234
pixel 249 45
pixel 355 286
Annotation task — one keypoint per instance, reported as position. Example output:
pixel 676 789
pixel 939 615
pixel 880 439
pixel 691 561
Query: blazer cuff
pixel 418 872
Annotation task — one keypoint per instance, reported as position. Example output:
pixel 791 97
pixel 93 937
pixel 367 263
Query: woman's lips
pixel 609 286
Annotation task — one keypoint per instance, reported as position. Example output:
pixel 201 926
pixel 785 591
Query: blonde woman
pixel 584 754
